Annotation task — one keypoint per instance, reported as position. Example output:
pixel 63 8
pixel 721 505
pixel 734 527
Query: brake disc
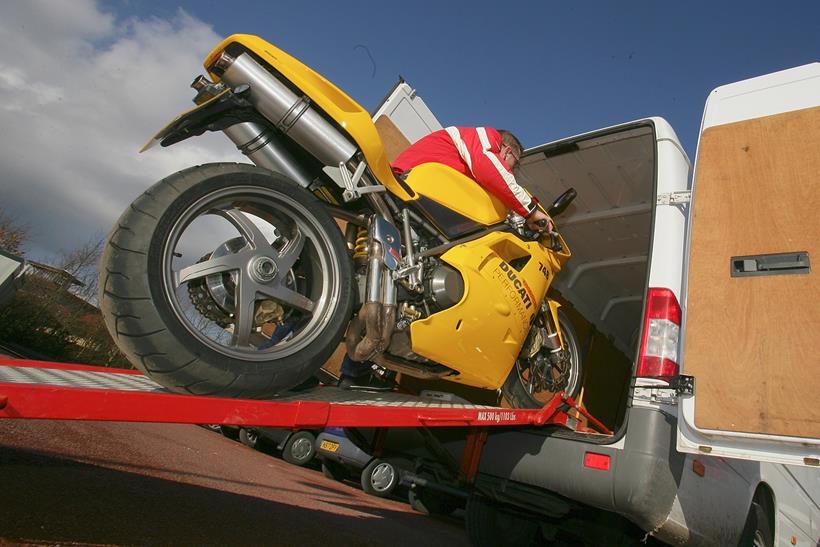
pixel 543 368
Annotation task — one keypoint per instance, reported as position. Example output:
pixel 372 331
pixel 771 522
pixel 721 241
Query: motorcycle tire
pixel 194 325
pixel 515 389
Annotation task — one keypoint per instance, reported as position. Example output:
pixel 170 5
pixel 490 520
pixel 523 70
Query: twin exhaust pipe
pixel 289 113
pixel 377 317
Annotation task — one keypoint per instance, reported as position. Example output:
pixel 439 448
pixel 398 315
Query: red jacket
pixel 472 151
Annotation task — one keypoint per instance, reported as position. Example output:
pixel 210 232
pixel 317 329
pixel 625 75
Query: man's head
pixel 511 149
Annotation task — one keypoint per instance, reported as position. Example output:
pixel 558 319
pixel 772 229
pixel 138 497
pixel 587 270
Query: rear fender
pixel 223 110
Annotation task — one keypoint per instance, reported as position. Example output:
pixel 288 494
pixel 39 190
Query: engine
pixel 444 286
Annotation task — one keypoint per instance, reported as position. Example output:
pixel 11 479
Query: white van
pixel 697 313
pixel 12 273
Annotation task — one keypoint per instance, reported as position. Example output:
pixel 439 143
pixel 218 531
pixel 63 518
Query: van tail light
pixel 661 333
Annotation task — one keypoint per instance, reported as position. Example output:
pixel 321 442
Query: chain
pixel 204 302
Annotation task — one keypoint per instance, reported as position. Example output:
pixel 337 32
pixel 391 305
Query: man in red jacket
pixel 486 155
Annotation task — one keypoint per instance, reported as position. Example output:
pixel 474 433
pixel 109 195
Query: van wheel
pixel 429 502
pixel 521 388
pixel 488 525
pixel 758 531
pixel 300 449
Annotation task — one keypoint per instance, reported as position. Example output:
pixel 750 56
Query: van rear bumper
pixel 641 483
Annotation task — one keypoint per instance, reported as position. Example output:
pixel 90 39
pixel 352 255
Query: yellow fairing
pixel 332 100
pixel 457 192
pixel 481 336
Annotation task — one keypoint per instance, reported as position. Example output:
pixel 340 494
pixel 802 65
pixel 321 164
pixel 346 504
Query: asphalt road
pixel 81 483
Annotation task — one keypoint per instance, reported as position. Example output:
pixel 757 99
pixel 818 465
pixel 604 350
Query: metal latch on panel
pixel 771 264
pixel 683 385
pixel 680 384
pixel 675 198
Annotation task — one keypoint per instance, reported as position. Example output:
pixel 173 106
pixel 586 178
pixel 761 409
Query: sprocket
pixel 204 302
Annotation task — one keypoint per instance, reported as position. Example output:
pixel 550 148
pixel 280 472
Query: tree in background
pixel 83 263
pixel 13 233
pixel 55 317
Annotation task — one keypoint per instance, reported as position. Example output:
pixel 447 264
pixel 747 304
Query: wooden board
pixel 753 343
pixel 393 140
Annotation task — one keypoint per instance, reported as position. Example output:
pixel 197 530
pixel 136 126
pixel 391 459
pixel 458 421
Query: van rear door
pixel 402 118
pixel 752 300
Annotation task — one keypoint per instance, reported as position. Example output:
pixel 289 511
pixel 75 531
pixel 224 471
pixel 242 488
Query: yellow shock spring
pixel 360 248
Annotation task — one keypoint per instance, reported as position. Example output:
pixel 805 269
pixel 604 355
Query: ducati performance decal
pixel 509 278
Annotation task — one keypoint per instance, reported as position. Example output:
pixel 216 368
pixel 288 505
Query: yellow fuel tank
pixel 459 193
pixel 505 281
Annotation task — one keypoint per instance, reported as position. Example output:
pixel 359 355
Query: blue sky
pixel 85 83
pixel 545 70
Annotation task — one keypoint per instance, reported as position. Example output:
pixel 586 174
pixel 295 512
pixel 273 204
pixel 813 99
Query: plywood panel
pixel 393 140
pixel 753 343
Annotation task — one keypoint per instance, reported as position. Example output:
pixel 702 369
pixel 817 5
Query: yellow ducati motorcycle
pixel 241 280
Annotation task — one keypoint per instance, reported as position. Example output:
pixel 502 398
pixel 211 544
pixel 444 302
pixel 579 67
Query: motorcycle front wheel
pixel 521 389
pixel 228 280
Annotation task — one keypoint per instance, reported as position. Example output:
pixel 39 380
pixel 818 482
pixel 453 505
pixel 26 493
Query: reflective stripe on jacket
pixel 472 151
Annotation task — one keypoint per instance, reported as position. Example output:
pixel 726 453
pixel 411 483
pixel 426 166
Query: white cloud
pixel 23 94
pixel 80 93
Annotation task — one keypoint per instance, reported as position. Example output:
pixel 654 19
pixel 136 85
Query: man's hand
pixel 539 221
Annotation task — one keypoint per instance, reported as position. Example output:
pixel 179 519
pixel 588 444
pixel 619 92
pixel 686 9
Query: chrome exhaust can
pixel 288 112
pixel 261 145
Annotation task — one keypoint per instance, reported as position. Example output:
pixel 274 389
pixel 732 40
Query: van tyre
pixel 202 261
pixel 300 448
pixel 488 525
pixel 515 389
pixel 758 531
pixel 430 502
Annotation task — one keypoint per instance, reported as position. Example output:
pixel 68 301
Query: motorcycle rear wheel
pixel 516 389
pixel 273 259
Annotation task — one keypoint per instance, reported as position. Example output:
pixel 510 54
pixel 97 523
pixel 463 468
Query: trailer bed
pixel 58 391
